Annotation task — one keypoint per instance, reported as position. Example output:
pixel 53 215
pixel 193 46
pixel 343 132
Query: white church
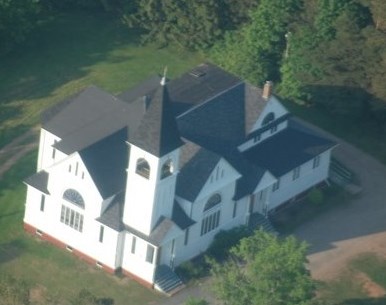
pixel 143 181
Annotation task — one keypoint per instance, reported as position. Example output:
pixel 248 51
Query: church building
pixel 143 181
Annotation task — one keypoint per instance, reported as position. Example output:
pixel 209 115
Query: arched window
pixel 143 168
pixel 74 197
pixel 212 201
pixel 268 118
pixel 167 169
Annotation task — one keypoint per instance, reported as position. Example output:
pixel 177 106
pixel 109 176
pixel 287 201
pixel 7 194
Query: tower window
pixel 167 169
pixel 143 168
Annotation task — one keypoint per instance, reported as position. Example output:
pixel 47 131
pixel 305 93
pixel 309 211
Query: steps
pixel 259 221
pixel 166 281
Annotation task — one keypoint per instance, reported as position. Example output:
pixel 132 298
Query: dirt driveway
pixel 348 230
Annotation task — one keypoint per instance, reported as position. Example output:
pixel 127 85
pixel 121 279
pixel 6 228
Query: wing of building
pixel 145 180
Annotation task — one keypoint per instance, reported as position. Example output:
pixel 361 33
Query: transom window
pixel 74 197
pixel 143 168
pixel 268 118
pixel 212 202
pixel 167 169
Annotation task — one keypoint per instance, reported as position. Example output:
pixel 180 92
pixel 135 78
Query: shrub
pixel 315 196
pixel 225 240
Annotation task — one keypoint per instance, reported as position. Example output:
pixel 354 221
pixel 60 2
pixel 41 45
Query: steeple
pixel 158 133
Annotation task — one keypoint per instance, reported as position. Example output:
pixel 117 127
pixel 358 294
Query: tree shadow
pixel 11 250
pixel 365 301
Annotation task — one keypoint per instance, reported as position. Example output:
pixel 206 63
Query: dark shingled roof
pixel 106 162
pixel 287 150
pixel 199 85
pixel 196 165
pixel 157 133
pixel 39 181
pixel 180 218
pixel 112 216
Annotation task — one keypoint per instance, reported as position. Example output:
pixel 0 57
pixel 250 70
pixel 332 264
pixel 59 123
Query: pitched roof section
pixel 106 162
pixel 157 133
pixel 196 165
pixel 288 149
pixel 199 85
pixel 39 181
pixel 85 118
pixel 112 216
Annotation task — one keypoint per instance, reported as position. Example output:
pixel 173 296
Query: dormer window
pixel 167 169
pixel 143 168
pixel 270 117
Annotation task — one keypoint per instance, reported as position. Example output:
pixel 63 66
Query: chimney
pixel 267 91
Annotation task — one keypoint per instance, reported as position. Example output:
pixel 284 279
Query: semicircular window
pixel 268 118
pixel 212 201
pixel 74 197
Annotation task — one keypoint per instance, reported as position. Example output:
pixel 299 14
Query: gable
pixel 222 174
pixel 272 108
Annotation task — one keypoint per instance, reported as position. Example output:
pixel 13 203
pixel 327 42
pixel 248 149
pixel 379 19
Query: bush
pixel 225 240
pixel 193 269
pixel 315 196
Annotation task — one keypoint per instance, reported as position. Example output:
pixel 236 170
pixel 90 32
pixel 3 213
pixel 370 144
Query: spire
pixel 163 80
pixel 158 133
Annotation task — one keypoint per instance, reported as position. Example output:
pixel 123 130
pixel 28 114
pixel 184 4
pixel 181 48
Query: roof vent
pixel 197 73
pixel 267 90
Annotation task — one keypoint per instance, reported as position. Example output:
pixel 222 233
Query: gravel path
pixel 348 230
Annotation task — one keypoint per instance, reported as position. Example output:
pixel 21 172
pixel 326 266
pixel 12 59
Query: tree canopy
pixel 265 270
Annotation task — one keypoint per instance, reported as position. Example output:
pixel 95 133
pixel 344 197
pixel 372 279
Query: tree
pixel 17 19
pixel 265 270
pixel 255 51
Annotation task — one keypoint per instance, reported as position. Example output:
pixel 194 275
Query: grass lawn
pixel 69 53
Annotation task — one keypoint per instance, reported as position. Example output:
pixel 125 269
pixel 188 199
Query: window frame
pixel 142 168
pixel 296 173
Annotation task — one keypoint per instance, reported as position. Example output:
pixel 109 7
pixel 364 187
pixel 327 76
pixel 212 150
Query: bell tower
pixel 153 165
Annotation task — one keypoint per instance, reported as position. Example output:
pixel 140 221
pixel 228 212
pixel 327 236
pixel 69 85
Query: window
pixel 74 197
pixel 143 168
pixel 69 168
pixel 212 201
pixel 234 209
pixel 316 162
pixel 54 150
pixel 42 202
pixel 268 118
pixel 296 173
pixel 76 168
pixel 273 129
pixel 167 169
pixel 101 231
pixel 210 222
pixel 276 186
pixel 257 138
pixel 186 237
pixel 71 218
pixel 150 254
pixel 133 243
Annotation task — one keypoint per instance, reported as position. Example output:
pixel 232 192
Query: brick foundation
pixel 137 279
pixel 46 237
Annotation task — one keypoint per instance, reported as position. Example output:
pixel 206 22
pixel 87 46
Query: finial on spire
pixel 163 79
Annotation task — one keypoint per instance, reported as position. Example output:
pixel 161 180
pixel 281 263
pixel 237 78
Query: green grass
pixel 69 53
pixel 42 265
pixel 373 266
